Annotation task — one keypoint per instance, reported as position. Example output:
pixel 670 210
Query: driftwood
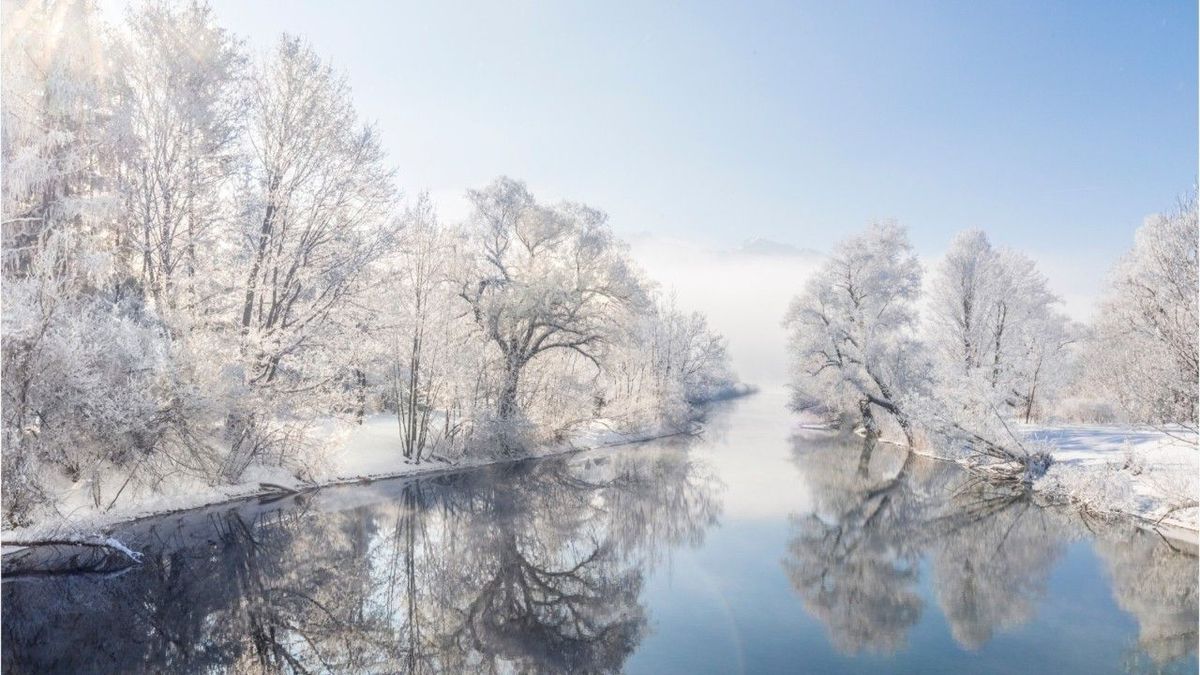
pixel 276 487
pixel 94 541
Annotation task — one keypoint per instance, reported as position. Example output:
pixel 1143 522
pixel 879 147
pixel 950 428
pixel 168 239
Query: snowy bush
pixel 1077 409
pixel 86 388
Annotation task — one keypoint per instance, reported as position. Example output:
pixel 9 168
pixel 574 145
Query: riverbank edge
pixel 1170 529
pixel 89 530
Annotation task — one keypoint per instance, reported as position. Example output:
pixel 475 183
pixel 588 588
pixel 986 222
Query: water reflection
pixel 1157 585
pixel 882 517
pixel 549 566
pixel 534 567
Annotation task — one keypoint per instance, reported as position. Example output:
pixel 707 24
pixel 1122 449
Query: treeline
pixel 206 255
pixel 985 345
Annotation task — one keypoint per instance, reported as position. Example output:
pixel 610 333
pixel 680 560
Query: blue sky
pixel 1054 126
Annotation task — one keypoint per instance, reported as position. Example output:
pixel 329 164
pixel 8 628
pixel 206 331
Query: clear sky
pixel 1054 126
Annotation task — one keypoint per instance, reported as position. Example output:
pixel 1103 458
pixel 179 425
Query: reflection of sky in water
pixel 801 558
pixel 730 606
pixel 748 446
pixel 699 624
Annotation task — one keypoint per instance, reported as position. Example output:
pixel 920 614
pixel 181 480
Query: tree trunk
pixel 240 430
pixel 887 404
pixel 507 407
pixel 868 417
pixel 360 395
pixel 906 427
pixel 864 457
pixel 260 253
pixel 999 341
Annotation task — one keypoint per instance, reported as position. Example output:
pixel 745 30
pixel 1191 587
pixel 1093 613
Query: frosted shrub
pixel 85 390
pixel 1080 410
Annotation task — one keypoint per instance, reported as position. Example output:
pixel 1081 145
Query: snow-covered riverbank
pixel 1149 474
pixel 366 452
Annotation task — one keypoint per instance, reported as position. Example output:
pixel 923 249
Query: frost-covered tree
pixel 852 329
pixel 85 381
pixel 997 337
pixel 56 126
pixel 422 341
pixel 963 298
pixel 316 215
pixel 421 281
pixel 542 280
pixel 667 367
pixel 1049 361
pixel 181 104
pixel 688 360
pixel 1145 351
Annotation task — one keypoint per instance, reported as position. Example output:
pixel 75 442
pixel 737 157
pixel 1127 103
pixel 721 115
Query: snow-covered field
pixel 1150 474
pixel 358 453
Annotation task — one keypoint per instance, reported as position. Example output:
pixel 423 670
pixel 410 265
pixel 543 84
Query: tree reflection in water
pixel 879 512
pixel 1157 585
pixel 532 567
pixel 848 568
pixel 539 567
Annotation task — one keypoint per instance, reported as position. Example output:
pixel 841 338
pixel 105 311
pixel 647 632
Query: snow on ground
pixel 1150 474
pixel 370 448
pixel 358 452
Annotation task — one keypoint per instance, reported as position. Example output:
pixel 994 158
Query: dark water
pixel 754 549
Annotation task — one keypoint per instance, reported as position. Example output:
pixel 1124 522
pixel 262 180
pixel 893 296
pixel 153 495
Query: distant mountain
pixel 760 246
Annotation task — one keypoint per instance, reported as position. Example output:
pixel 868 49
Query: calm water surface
pixel 757 548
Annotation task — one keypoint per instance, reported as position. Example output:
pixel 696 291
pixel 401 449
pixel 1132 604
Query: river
pixel 756 547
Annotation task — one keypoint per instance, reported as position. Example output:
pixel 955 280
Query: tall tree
pixel 183 102
pixel 1146 348
pixel 994 327
pixel 316 216
pixel 56 131
pixel 852 329
pixel 543 280
pixel 419 336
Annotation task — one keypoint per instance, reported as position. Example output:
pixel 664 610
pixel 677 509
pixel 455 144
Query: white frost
pixel 1148 473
